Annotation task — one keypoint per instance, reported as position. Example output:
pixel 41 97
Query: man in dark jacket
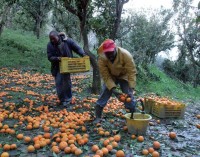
pixel 62 46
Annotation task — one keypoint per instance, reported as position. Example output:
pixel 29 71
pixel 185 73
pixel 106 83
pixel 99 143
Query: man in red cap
pixel 116 66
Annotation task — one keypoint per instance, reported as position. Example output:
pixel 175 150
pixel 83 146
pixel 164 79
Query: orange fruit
pixel 27 139
pixel 73 149
pixel 5 154
pixel 5 126
pixel 117 138
pixel 106 142
pixel 156 145
pixel 13 146
pixel 63 145
pixel 107 133
pixel 125 128
pixel 96 155
pixel 172 135
pixel 99 152
pixel 78 152
pixel 55 149
pixel 67 150
pixel 151 150
pixel 37 146
pixel 198 116
pixel 95 148
pixel 47 135
pixel 105 151
pixel 128 99
pixel 133 136
pixel 20 136
pixel 114 144
pixel 122 98
pixel 6 147
pixel 46 129
pixel 109 147
pixel 140 139
pixel 30 148
pixel 120 153
pixel 145 152
pixel 155 154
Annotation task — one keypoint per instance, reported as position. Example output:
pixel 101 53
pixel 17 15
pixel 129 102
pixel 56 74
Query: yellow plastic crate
pixel 168 111
pixel 148 103
pixel 74 65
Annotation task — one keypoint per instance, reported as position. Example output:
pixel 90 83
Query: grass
pixel 167 86
pixel 23 50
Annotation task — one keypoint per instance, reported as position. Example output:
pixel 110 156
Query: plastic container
pixel 74 65
pixel 138 125
pixel 168 111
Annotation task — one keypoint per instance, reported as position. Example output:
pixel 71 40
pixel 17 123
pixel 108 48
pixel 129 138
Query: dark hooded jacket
pixel 64 49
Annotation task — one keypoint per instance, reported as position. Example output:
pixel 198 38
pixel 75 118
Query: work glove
pixel 115 92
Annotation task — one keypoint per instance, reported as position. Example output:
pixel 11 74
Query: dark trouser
pixel 106 94
pixel 63 87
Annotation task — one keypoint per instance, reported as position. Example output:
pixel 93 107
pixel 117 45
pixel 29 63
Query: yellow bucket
pixel 138 125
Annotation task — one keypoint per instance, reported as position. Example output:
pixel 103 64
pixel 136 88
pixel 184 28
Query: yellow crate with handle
pixel 74 65
pixel 172 110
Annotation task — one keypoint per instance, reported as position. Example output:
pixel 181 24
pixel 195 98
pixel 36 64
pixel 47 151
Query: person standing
pixel 116 66
pixel 62 46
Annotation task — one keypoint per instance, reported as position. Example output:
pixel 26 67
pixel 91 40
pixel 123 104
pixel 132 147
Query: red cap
pixel 108 45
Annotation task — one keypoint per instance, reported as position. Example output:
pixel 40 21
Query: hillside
pixel 22 50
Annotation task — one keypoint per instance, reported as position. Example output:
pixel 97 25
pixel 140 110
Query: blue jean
pixel 63 87
pixel 106 94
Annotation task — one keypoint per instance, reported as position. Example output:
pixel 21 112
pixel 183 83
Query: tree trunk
pixel 4 18
pixel 96 83
pixel 38 27
pixel 119 7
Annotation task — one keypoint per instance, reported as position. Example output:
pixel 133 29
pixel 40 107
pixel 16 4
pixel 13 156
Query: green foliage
pixel 149 34
pixel 167 86
pixel 22 49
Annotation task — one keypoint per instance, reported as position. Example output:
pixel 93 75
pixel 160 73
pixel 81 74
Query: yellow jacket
pixel 122 68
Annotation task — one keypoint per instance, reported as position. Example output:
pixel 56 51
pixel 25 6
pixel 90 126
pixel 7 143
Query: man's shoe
pixel 98 114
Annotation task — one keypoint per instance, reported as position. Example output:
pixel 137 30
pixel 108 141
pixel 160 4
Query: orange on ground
pixel 133 136
pixel 114 144
pixel 95 148
pixel 30 148
pixel 67 150
pixel 109 147
pixel 151 150
pixel 120 153
pixel 172 135
pixel 27 139
pixel 13 146
pixel 5 154
pixel 6 147
pixel 20 136
pixel 155 154
pixel 78 152
pixel 105 151
pixel 156 145
pixel 117 138
pixel 63 145
pixel 145 152
pixel 140 139
pixel 55 149
pixel 99 152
